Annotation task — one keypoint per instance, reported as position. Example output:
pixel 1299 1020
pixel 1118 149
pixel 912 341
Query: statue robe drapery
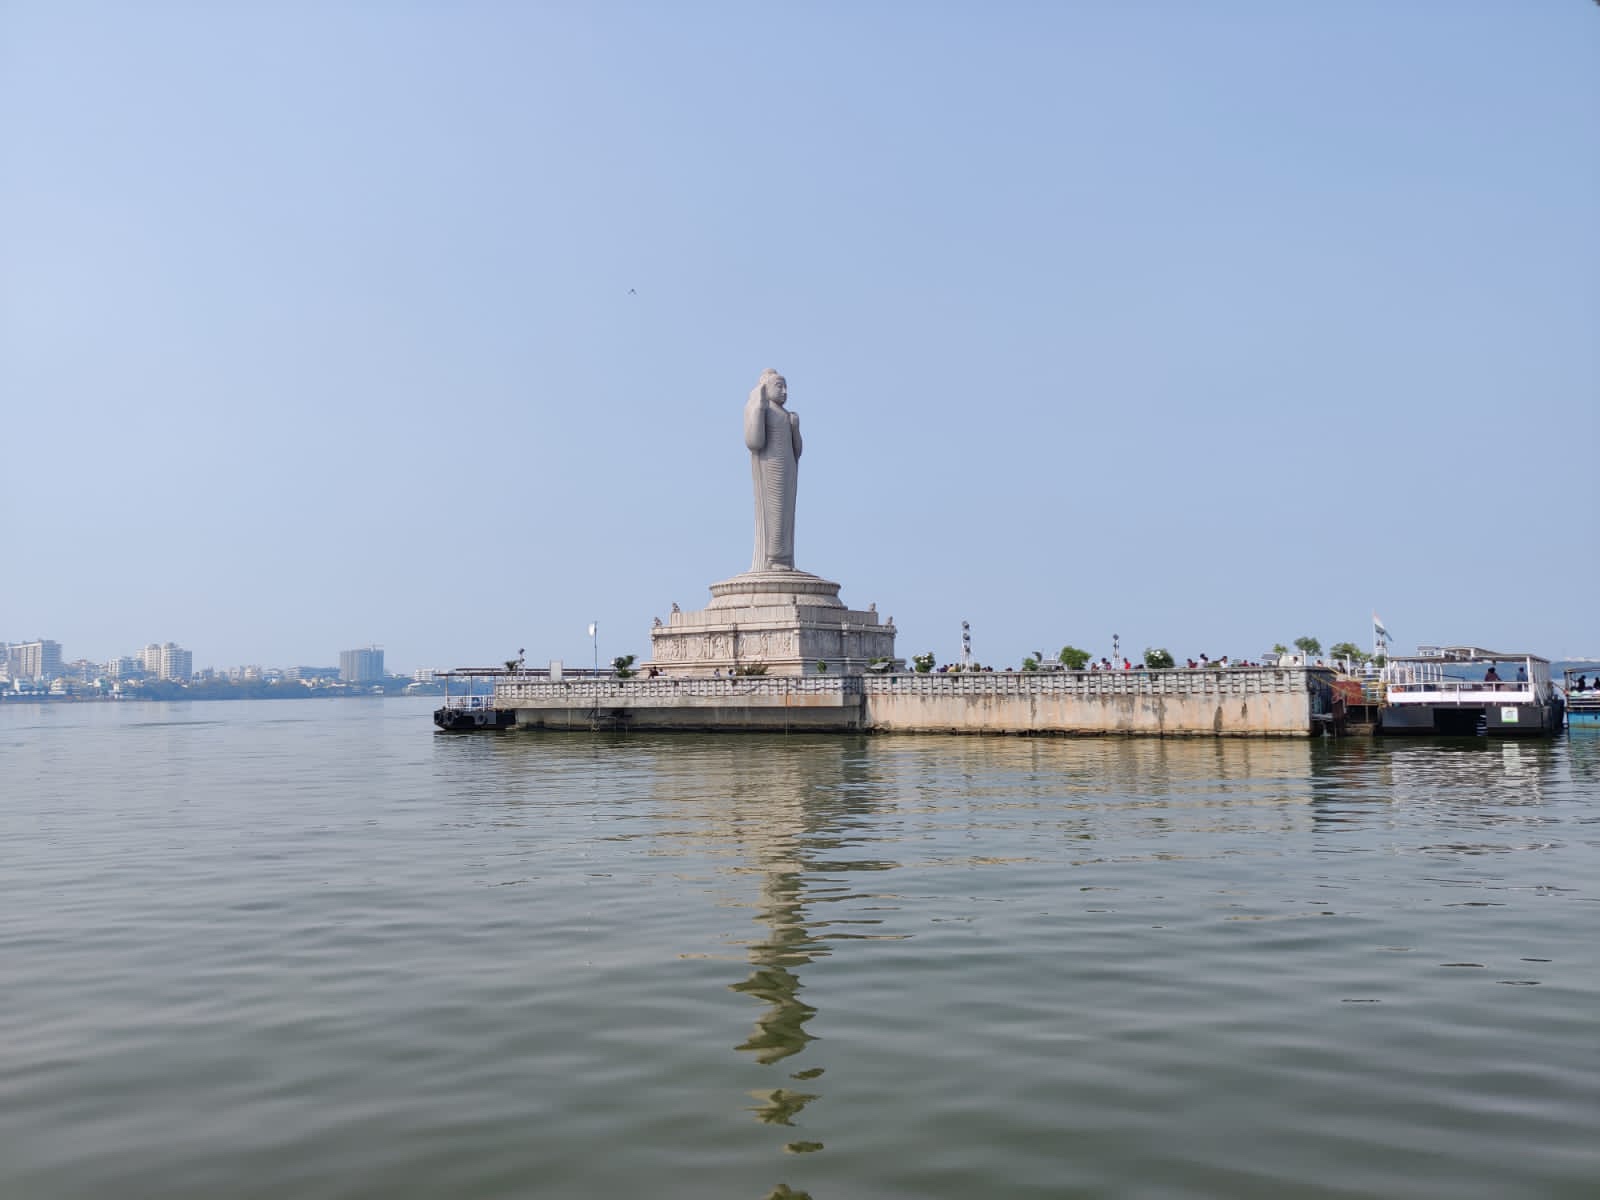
pixel 773 437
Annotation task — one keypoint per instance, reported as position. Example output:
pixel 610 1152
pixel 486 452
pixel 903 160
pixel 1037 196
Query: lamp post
pixel 1116 651
pixel 594 635
pixel 966 645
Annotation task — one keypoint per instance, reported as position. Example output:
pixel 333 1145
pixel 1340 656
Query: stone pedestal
pixel 784 620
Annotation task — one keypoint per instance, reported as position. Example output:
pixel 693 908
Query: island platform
pixel 1216 702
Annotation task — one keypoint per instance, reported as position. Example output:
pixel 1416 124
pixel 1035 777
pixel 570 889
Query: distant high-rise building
pixel 125 667
pixel 361 666
pixel 166 661
pixel 35 660
pixel 176 662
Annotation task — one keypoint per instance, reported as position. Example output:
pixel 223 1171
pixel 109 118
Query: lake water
pixel 313 949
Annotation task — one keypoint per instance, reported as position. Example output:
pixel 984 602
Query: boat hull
pixel 1453 720
pixel 472 720
pixel 1583 718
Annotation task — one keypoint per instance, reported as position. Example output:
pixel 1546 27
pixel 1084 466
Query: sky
pixel 1204 325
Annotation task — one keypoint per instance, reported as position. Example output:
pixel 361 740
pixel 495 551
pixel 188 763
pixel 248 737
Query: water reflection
pixel 1466 773
pixel 797 812
pixel 1155 868
pixel 1583 755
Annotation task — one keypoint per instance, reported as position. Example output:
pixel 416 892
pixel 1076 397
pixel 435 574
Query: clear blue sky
pixel 1205 324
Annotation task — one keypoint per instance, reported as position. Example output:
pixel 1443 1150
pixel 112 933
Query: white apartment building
pixel 123 667
pixel 34 660
pixel 167 661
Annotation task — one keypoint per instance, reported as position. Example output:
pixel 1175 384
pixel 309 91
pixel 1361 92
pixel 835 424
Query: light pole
pixel 594 634
pixel 1116 652
pixel 966 645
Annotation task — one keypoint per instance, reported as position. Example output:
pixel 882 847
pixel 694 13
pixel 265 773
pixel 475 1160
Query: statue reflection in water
pixel 789 807
pixel 780 1032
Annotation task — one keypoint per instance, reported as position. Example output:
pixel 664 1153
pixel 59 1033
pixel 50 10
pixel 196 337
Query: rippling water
pixel 313 949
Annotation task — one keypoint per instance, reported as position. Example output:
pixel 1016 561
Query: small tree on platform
pixel 1072 658
pixel 622 666
pixel 1349 651
pixel 923 663
pixel 1308 646
pixel 1158 659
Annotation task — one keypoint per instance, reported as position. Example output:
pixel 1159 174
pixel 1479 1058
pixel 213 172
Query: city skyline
pixel 296 667
pixel 46 658
pixel 1209 326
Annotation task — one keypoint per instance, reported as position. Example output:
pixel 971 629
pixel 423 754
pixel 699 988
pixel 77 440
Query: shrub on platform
pixel 1072 658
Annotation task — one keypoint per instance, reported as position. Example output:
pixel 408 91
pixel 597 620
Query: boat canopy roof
pixel 1467 654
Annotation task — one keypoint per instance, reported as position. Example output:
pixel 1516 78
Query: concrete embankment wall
pixel 1216 703
pixel 1232 703
pixel 726 703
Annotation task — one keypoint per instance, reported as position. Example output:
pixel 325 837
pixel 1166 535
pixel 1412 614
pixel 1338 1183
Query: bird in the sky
pixel 631 292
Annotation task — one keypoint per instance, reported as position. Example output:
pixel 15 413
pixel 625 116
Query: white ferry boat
pixel 1465 691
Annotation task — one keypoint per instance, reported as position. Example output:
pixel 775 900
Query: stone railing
pixel 1233 681
pixel 620 691
pixel 1177 681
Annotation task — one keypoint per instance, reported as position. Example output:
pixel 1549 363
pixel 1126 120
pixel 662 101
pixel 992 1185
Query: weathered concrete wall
pixel 1233 703
pixel 773 703
pixel 703 719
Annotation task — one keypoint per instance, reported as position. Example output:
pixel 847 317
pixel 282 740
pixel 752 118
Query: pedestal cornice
pixel 772 588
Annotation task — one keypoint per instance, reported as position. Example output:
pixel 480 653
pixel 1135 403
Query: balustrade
pixel 1080 684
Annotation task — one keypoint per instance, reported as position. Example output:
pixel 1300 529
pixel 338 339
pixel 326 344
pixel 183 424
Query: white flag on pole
pixel 1377 627
pixel 592 628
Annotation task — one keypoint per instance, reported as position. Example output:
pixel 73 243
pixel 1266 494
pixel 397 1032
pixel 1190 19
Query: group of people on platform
pixel 1105 664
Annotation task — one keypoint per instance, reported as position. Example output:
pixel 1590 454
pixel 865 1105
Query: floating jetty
pixel 1216 702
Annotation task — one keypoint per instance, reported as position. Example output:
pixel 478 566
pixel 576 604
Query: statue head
pixel 773 386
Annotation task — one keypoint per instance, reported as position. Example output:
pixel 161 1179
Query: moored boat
pixel 466 717
pixel 1583 698
pixel 472 712
pixel 1467 690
